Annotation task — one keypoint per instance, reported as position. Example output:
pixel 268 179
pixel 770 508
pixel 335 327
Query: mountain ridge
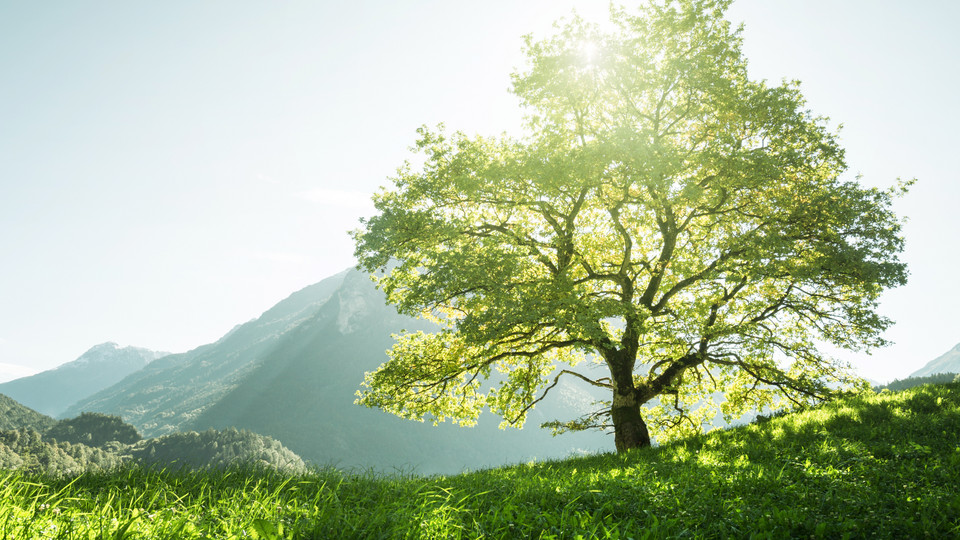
pixel 292 375
pixel 948 362
pixel 51 392
pixel 170 391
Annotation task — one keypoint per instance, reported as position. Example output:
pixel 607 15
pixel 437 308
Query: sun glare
pixel 589 52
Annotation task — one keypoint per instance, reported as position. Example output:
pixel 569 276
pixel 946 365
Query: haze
pixel 170 170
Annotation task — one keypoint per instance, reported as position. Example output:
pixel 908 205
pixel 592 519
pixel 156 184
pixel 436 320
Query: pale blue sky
pixel 171 169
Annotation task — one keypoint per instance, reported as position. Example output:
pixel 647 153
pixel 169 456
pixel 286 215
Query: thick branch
pixel 556 380
pixel 655 386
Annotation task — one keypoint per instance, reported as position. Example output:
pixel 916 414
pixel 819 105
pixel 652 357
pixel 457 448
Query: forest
pixel 100 442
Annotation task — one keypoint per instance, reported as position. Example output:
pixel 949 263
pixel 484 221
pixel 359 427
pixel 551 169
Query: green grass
pixel 885 466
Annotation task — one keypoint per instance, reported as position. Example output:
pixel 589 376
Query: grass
pixel 884 466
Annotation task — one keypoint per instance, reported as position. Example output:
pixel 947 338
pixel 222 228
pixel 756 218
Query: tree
pixel 666 219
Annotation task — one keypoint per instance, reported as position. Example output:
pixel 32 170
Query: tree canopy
pixel 667 229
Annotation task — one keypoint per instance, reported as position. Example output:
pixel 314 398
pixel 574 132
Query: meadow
pixel 881 465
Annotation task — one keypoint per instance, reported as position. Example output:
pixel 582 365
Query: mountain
pixel 14 415
pixel 292 375
pixel 170 392
pixel 948 362
pixel 51 392
pixel 302 394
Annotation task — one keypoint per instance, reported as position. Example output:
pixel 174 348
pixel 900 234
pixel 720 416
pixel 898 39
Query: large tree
pixel 677 229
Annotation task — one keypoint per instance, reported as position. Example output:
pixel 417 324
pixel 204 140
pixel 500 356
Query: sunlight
pixel 589 51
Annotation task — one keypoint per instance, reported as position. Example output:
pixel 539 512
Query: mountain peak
pixel 103 347
pixel 111 351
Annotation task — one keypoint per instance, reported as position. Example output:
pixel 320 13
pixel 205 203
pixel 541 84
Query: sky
pixel 169 170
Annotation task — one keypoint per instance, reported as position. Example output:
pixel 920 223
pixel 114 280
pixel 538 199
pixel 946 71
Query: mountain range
pixel 168 394
pixel 948 362
pixel 51 392
pixel 292 375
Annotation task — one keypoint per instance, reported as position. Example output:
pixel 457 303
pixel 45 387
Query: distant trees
pixel 214 448
pixel 95 441
pixel 937 378
pixel 9 459
pixel 94 429
pixel 28 449
pixel 14 415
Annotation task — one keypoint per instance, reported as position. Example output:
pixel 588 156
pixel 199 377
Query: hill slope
pixel 14 415
pixel 93 442
pixel 948 362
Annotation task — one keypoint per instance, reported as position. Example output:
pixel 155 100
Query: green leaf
pixel 266 530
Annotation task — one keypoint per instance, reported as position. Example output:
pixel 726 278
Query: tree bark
pixel 630 431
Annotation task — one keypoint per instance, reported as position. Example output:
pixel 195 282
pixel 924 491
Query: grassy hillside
pixel 884 466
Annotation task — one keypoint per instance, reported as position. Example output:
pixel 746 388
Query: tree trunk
pixel 630 431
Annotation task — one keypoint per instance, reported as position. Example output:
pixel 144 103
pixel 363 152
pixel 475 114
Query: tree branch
pixel 556 380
